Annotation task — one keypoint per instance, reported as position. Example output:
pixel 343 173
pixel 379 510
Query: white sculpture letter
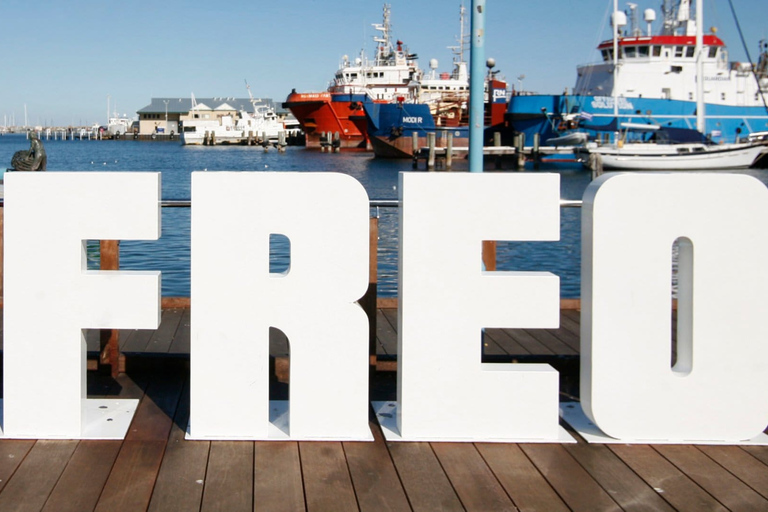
pixel 718 389
pixel 445 392
pixel 50 296
pixel 236 300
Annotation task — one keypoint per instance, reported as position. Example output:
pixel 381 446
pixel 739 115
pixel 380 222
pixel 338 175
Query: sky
pixel 67 61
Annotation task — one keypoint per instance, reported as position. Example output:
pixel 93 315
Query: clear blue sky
pixel 62 59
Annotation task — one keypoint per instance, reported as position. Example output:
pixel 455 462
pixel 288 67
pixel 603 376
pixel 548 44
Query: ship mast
pixel 700 120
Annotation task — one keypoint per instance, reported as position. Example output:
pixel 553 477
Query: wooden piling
pixel 415 148
pixel 449 152
pixel 336 142
pixel 109 259
pixel 520 151
pixel 497 143
pixel 431 145
pixel 536 154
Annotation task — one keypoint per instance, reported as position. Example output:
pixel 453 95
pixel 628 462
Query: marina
pixel 334 326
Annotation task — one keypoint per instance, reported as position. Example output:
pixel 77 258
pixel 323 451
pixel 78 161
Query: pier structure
pixel 154 468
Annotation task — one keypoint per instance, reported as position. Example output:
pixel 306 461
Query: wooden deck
pixel 155 469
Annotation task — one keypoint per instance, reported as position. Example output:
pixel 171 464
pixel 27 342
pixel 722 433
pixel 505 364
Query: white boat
pixel 119 125
pixel 660 153
pixel 242 127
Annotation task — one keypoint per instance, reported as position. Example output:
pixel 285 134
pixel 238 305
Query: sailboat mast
pixel 700 119
pixel 615 58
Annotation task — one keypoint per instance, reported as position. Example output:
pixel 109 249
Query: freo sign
pixel 716 392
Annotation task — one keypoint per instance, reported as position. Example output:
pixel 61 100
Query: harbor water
pixel 176 162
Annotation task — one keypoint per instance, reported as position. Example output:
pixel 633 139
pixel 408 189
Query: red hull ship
pixel 339 110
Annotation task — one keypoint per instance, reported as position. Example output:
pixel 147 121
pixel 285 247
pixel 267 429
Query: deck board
pixel 278 485
pixel 83 479
pixel 156 469
pixel 36 476
pixel 229 480
pixel 327 482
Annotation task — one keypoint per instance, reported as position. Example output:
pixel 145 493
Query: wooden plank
pixel 474 482
pixel 423 479
pixel 673 485
pixel 181 341
pixel 385 334
pixel 229 481
pixel 137 342
pixel 490 346
pixel 132 480
pixel 129 486
pixel 506 342
pixel 278 485
pixel 160 342
pixel 152 421
pixel 528 342
pixel 373 473
pixel 83 479
pixel 327 484
pixel 32 483
pixel 557 346
pixel 521 480
pixel 726 488
pixel 571 320
pixel 179 484
pixel 758 452
pixel 571 481
pixel 567 337
pixel 629 490
pixel 12 453
pixel 744 466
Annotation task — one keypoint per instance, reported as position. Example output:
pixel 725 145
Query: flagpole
pixel 477 87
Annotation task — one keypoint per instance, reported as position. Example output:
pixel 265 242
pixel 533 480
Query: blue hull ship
pixel 645 78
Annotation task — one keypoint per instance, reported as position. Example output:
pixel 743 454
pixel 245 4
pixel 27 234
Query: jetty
pixel 436 157
pixel 154 468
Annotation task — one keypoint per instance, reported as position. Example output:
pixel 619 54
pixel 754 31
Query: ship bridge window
pixel 679 50
pixel 656 51
pixel 606 56
pixel 690 51
pixel 712 52
pixel 642 51
pixel 630 52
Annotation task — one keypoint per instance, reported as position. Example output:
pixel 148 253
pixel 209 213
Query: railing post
pixel 109 251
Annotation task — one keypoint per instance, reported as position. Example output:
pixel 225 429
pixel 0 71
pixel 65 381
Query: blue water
pixel 170 254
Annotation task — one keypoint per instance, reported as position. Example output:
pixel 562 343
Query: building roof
pixel 184 105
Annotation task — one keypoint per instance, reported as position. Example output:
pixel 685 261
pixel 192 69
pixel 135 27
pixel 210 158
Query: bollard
pixel 431 145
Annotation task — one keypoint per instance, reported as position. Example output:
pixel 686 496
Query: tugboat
pixel 340 108
pixel 437 103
